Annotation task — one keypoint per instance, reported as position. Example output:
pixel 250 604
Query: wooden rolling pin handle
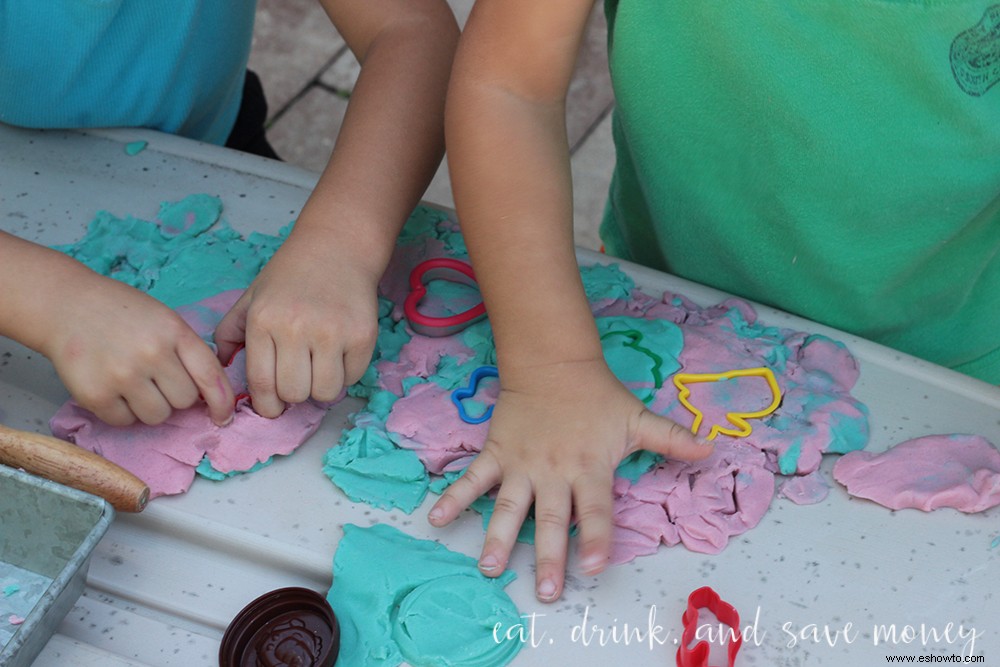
pixel 73 466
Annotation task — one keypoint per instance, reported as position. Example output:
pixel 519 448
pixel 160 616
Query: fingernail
pixel 546 589
pixel 228 421
pixel 435 515
pixel 488 563
pixel 591 564
pixel 704 442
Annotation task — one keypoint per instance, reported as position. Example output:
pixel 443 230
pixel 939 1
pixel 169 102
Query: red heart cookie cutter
pixel 706 598
pixel 442 268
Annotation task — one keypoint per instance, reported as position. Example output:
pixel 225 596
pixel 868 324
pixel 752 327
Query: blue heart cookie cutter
pixel 469 391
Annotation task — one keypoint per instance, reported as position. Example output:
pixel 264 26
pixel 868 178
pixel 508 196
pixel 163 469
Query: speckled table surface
pixel 830 584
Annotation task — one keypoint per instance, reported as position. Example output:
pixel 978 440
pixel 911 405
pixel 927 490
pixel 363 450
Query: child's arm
pixel 310 317
pixel 122 354
pixel 562 422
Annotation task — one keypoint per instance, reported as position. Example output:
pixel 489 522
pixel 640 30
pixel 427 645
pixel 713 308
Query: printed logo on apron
pixel 975 54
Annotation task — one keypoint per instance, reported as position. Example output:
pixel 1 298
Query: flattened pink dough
pixel 700 504
pixel 959 471
pixel 805 489
pixel 427 422
pixel 420 357
pixel 165 456
pixel 816 367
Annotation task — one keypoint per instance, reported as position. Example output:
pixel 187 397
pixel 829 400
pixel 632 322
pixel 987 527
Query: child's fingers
pixel 594 511
pixel 148 403
pixel 482 475
pixel 231 331
pixel 553 506
pixel 209 378
pixel 177 385
pixel 115 411
pixel 327 375
pixel 261 359
pixel 663 436
pixel 293 372
pixel 509 511
pixel 356 361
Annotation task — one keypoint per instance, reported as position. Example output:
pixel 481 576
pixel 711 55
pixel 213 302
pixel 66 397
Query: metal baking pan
pixel 47 534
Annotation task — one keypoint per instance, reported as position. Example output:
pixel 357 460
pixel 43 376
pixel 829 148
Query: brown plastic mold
pixel 288 626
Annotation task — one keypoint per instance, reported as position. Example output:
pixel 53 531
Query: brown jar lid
pixel 288 627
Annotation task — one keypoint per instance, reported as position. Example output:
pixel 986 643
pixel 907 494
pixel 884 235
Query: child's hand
pixel 124 356
pixel 309 321
pixel 556 436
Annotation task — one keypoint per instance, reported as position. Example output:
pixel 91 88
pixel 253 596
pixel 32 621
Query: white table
pixel 163 585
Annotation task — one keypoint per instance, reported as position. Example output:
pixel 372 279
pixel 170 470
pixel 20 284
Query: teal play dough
pixel 205 469
pixel 400 599
pixel 369 468
pixel 640 351
pixel 421 225
pixel 789 460
pixel 391 338
pixel 135 147
pixel 449 297
pixel 187 254
pixel 602 282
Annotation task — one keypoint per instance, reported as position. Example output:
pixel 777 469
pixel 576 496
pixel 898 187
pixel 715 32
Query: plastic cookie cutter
pixel 469 391
pixel 725 613
pixel 442 268
pixel 634 341
pixel 681 380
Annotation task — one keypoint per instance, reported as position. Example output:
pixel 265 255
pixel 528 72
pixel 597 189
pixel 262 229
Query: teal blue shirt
pixel 171 65
pixel 838 159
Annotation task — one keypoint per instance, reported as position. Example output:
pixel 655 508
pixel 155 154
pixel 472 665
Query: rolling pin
pixel 73 466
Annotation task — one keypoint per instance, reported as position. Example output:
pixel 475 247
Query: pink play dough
pixel 165 456
pixel 815 385
pixel 426 421
pixel 959 471
pixel 699 504
pixel 420 357
pixel 805 489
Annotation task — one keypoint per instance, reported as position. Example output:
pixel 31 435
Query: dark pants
pixel 247 134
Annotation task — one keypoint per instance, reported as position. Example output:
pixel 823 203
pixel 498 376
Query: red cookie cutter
pixel 706 598
pixel 442 268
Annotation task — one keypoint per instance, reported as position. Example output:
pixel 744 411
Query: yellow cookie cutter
pixel 681 380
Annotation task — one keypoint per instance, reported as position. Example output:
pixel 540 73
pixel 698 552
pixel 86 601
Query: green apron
pixel 838 159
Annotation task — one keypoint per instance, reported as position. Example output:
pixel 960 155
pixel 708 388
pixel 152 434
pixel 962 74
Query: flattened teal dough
pixel 178 258
pixel 606 282
pixel 370 468
pixel 642 353
pixel 400 599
